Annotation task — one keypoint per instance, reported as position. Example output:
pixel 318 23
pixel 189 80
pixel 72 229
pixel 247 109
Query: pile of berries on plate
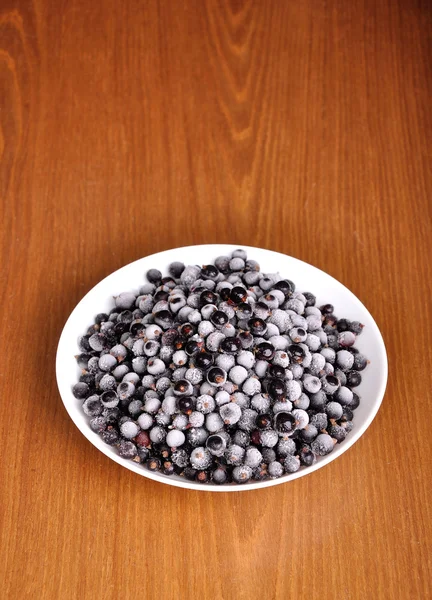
pixel 220 373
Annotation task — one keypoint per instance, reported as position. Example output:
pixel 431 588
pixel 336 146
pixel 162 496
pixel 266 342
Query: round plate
pixel 306 277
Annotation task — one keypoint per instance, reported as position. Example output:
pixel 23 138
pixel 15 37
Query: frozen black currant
pixel 264 351
pixel 230 345
pixel 284 422
pixel 238 295
pixel 257 326
pixel 204 360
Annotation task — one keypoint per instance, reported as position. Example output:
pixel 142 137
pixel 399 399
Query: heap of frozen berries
pixel 220 373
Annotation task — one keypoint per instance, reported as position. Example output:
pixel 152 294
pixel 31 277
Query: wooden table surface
pixel 131 127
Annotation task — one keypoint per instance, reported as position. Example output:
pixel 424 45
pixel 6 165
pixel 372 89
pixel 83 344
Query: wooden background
pixel 131 127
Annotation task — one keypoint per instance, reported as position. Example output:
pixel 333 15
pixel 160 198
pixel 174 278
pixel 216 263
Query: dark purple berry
pixel 276 371
pixel 306 456
pixel 355 402
pixel 202 476
pixel 353 379
pixel 238 295
pixel 190 473
pixel 216 376
pixel 263 421
pixel 230 345
pixel 169 337
pixel 192 347
pixel 219 318
pixel 257 326
pixel 125 317
pixel 164 319
pixel 264 351
pixel 81 390
pixel 285 286
pixel 356 327
pixel 310 299
pixel 360 361
pixel 153 464
pixel 127 449
pixel 161 295
pixel 187 330
pixel 154 276
pixel 137 329
pixel 284 422
pixel 176 269
pixel 327 309
pixel 185 405
pixel 209 272
pixel 343 325
pixel 204 360
pixel 276 389
pixel 101 318
pixel 167 467
pixel 297 353
pixel 208 297
pixel 110 436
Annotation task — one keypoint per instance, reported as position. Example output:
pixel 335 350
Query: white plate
pixel 306 277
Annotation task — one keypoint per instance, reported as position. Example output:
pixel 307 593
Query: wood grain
pixel 130 127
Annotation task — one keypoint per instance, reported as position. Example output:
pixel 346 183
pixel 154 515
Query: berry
pixel 353 379
pixel 230 345
pixel 242 474
pixel 284 422
pixel 216 445
pixel 319 420
pixel 337 432
pixel 356 327
pixel 154 464
pixel 264 351
pixel 306 456
pixel 268 438
pixel 216 376
pixel 264 421
pixel 185 405
pixel 175 438
pixel 175 269
pixel 219 318
pixel 80 390
pixel 297 353
pixel 92 406
pixel 157 434
pixel 322 445
pixel 334 410
pixel 238 295
pixel 277 389
pixel 183 387
pixel 219 475
pixel 343 325
pixel 286 286
pixel 309 433
pixel 344 396
pixel 204 360
pixel 291 464
pixel 200 458
pixel 276 371
pixel 327 309
pixel 154 276
pixel 230 413
pixel 360 362
pixel 346 339
pixel 344 360
pixel 257 326
pixel 209 272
